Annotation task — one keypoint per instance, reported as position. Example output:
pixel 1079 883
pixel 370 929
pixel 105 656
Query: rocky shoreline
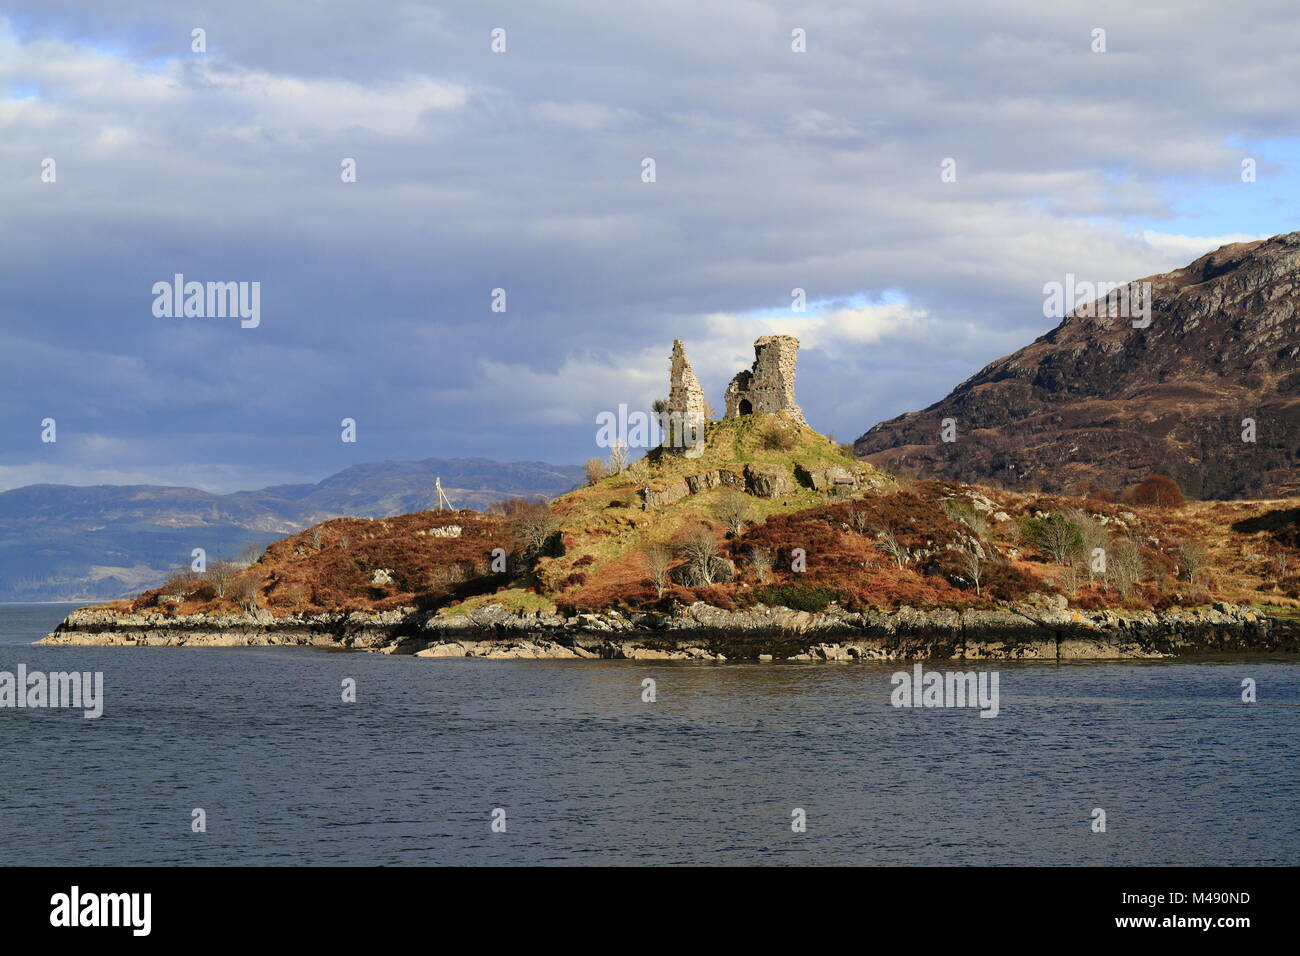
pixel 1047 630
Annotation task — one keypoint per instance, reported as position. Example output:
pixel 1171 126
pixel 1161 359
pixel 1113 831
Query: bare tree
pixel 1125 565
pixel 220 573
pixel 1282 561
pixel 534 525
pixel 890 544
pixel 859 520
pixel 658 559
pixel 966 514
pixel 761 560
pixel 1191 559
pixel 973 565
pixel 250 555
pixel 700 549
pixel 244 592
pixel 179 582
pixel 617 457
pixel 1072 574
pixel 733 511
pixel 1058 536
pixel 297 594
pixel 1092 535
pixel 595 470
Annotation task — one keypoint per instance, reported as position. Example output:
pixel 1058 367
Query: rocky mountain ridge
pixel 1097 404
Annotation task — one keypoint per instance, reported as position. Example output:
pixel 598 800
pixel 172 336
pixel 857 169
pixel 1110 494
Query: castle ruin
pixel 767 387
pixel 681 417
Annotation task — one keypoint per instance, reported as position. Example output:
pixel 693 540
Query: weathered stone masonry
pixel 682 418
pixel 768 386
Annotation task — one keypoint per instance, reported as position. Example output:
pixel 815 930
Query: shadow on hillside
pixel 474 587
pixel 1282 523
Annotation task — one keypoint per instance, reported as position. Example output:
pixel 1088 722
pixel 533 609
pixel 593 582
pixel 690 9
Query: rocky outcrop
pixel 449 531
pixel 767 481
pixel 359 630
pixel 1099 402
pixel 762 481
pixel 665 494
pixel 1045 630
pixel 509 648
pixel 823 479
pixel 717 478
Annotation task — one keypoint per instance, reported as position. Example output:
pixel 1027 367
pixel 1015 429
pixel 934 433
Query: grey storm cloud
pixel 521 170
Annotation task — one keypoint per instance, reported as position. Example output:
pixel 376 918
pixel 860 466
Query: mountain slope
pixel 1098 403
pixel 63 542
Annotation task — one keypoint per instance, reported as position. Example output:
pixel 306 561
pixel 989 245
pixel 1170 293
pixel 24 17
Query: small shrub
pixel 732 510
pixel 1159 491
pixel 658 561
pixel 1056 535
pixel 534 525
pixel 775 438
pixel 245 591
pixel 798 597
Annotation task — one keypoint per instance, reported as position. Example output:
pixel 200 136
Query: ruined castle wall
pixel 683 426
pixel 767 387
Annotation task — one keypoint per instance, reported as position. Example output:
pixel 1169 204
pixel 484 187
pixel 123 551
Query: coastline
pixel 1046 630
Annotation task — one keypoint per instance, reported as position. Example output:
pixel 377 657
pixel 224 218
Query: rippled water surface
pixel 588 773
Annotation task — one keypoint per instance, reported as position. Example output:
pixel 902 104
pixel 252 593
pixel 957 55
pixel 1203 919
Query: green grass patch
pixel 798 597
pixel 513 600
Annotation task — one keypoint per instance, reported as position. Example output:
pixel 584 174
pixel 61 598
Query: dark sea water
pixel 589 774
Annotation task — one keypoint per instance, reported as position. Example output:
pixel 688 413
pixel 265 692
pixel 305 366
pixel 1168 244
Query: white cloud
pixel 1180 250
pixel 776 170
pixel 276 105
pixel 586 116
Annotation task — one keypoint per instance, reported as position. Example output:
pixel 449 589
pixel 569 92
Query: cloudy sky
pixel 522 170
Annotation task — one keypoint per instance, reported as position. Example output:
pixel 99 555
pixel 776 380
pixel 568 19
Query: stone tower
pixel 768 386
pixel 682 419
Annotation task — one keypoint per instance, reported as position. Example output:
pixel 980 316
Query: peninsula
pixel 754 537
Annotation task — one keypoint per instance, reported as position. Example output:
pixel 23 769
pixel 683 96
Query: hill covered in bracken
pixel 1096 404
pixel 772 515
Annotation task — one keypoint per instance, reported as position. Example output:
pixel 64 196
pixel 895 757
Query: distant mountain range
pixel 1097 404
pixel 70 543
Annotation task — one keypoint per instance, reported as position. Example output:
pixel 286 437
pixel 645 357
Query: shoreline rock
pixel 1047 630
